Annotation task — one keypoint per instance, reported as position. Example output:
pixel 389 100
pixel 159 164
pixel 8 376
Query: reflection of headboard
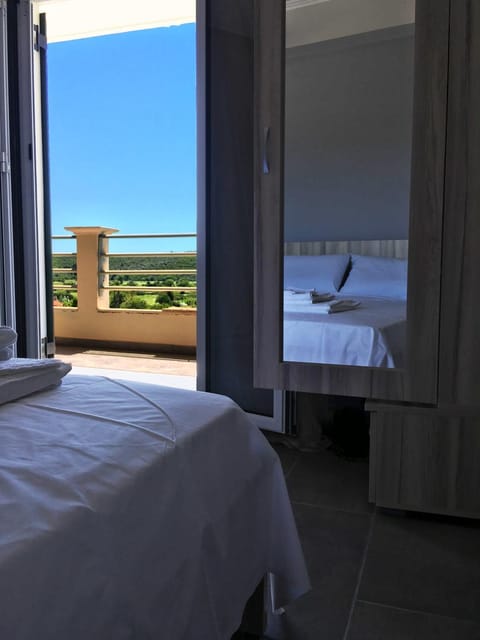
pixel 384 248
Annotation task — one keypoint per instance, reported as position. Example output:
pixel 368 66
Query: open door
pixel 27 48
pixel 225 55
pixel 7 293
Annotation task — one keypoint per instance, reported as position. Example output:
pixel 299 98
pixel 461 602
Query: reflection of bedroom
pixel 345 308
pixel 348 129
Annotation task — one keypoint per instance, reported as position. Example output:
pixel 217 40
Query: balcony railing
pixel 105 281
pixel 152 294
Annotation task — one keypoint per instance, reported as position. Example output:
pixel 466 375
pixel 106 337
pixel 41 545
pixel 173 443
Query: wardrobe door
pixel 399 167
pixel 269 34
pixel 427 199
pixel 460 314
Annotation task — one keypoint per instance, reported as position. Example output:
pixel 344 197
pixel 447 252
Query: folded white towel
pixel 24 365
pixel 297 290
pixel 8 336
pixel 20 377
pixel 336 306
pixel 8 339
pixel 321 297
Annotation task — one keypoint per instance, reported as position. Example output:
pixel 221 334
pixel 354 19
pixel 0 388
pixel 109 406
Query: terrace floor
pixel 171 370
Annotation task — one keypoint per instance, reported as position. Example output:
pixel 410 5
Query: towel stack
pixel 336 306
pixel 320 297
pixel 298 290
pixel 21 377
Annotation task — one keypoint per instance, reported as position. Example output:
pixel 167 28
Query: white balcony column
pixel 92 242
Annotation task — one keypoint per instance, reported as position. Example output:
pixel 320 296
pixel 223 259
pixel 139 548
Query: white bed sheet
pixel 131 511
pixel 372 335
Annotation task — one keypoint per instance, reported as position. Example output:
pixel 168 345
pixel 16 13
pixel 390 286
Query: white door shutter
pixel 32 183
pixel 7 289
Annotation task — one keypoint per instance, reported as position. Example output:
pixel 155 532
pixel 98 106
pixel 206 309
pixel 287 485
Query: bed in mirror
pixel 349 78
pixel 345 303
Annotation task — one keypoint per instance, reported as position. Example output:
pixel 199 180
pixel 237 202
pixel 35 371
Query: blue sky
pixel 122 134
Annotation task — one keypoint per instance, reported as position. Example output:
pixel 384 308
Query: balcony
pixel 93 290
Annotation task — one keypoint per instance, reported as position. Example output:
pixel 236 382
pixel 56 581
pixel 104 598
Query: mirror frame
pixel 419 381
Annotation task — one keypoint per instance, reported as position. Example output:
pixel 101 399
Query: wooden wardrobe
pixel 427 458
pixel 425 418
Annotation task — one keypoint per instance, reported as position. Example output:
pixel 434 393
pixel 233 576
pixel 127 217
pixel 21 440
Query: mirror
pixel 349 67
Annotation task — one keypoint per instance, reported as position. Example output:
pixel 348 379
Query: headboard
pixel 383 248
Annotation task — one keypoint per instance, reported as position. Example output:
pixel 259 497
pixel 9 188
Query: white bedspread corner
pixel 131 510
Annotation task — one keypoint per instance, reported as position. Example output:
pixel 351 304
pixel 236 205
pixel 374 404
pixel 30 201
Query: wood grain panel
pixel 359 382
pixel 269 55
pixel 383 248
pixel 385 449
pixel 426 200
pixel 460 309
pixel 427 462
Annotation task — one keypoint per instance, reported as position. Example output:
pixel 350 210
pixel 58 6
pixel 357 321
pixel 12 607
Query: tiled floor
pixel 376 576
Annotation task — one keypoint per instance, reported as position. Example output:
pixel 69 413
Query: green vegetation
pixel 132 299
pixel 66 298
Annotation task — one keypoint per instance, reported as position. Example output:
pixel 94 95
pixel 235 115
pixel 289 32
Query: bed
pixel 371 334
pixel 130 510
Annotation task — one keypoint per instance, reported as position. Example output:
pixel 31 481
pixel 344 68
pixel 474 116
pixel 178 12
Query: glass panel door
pixel 7 298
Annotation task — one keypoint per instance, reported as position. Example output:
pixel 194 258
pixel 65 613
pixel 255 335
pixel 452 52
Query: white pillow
pixel 377 277
pixel 323 273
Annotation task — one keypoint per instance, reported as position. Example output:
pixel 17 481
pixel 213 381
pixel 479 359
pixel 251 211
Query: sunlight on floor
pixel 170 371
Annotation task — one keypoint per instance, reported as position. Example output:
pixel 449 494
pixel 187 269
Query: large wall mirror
pixel 349 84
pixel 350 113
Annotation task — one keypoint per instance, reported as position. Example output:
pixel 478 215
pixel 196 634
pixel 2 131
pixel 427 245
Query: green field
pixel 132 299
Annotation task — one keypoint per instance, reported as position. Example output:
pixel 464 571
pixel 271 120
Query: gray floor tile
pixel 288 457
pixel 371 622
pixel 423 565
pixel 333 543
pixel 325 480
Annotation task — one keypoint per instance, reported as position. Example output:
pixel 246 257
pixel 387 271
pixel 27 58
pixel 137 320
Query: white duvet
pixel 134 511
pixel 372 335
